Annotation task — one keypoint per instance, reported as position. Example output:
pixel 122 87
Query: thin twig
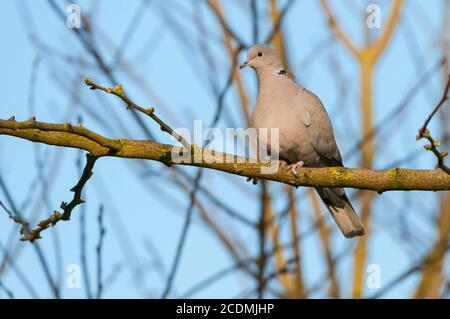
pixel 425 133
pixel 274 274
pixel 130 31
pixel 83 254
pixel 214 7
pixel 118 91
pixel 262 261
pixel 299 287
pixel 196 185
pixel 40 255
pixel 7 291
pixel 396 111
pixel 443 99
pixel 254 11
pixel 245 263
pixel 99 250
pixel 324 233
pixel 279 21
pixel 340 34
pixel 433 147
pixel 52 220
pixel 182 240
pixel 112 276
pixel 18 272
pixel 408 272
pixel 83 36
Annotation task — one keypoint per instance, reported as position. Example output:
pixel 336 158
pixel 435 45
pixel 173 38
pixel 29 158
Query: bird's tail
pixel 342 211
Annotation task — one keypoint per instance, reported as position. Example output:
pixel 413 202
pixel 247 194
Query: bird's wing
pixel 315 118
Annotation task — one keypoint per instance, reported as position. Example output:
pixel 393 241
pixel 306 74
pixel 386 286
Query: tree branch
pixel 118 91
pixel 443 99
pixel 53 219
pixel 381 42
pixel 79 137
pixel 338 31
pixel 214 5
pixel 425 133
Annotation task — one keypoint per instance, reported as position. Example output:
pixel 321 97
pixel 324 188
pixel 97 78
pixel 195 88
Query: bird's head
pixel 262 57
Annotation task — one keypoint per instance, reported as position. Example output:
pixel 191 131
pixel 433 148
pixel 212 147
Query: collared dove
pixel 305 131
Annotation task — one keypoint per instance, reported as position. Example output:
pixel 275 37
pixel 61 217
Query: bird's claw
pixel 282 164
pixel 293 167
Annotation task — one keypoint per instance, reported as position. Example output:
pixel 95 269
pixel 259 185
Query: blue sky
pixel 139 211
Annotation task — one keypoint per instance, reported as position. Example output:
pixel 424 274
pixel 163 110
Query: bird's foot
pixel 293 167
pixel 253 180
pixel 283 165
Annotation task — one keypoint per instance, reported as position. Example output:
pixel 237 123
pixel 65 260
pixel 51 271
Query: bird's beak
pixel 243 65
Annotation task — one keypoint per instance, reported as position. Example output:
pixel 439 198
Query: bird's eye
pixel 260 54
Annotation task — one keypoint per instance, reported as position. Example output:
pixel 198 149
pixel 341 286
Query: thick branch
pixel 66 135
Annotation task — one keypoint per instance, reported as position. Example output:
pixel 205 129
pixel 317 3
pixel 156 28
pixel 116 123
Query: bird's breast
pixel 277 122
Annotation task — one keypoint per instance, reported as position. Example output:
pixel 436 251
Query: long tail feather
pixel 342 211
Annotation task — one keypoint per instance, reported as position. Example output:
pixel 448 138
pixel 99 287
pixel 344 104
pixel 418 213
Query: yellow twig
pixel 299 286
pixel 324 233
pixel 231 49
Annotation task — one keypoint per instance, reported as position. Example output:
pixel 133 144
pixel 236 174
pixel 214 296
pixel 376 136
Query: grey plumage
pixel 305 131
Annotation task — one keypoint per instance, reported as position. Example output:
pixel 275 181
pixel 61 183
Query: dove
pixel 306 135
